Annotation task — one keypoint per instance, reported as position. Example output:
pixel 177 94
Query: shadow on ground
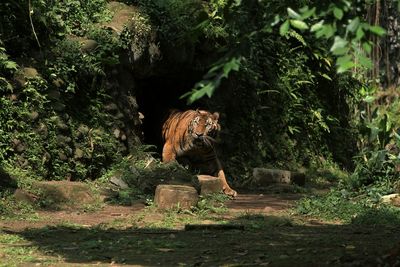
pixel 265 240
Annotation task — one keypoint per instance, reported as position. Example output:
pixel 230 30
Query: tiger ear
pixel 215 116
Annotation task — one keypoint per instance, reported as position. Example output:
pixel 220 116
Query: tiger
pixel 189 138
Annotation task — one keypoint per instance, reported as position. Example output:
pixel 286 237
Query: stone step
pixel 209 184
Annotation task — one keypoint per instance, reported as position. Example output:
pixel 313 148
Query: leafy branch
pixel 350 36
pixel 213 78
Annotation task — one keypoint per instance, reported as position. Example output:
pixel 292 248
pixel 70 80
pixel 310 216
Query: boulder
pixel 34 115
pixel 144 51
pixel 117 181
pixel 30 72
pixel 64 194
pixel 266 177
pixel 169 196
pixel 79 153
pixel 86 45
pixel 209 184
pixel 123 13
pixel 25 73
pixel 54 94
pixel 21 195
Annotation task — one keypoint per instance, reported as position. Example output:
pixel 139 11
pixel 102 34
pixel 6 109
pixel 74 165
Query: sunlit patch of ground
pixel 137 235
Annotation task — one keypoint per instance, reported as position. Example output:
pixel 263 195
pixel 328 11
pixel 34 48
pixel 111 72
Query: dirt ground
pixel 269 235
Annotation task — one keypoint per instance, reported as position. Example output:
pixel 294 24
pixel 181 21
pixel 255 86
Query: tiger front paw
pixel 230 192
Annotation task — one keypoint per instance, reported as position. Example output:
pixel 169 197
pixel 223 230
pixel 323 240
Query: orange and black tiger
pixel 189 137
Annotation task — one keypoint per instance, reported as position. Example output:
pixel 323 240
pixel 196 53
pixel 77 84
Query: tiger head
pixel 204 127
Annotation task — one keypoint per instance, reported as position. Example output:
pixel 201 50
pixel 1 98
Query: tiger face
pixel 204 127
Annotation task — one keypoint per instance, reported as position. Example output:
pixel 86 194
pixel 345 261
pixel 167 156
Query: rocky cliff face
pixel 80 103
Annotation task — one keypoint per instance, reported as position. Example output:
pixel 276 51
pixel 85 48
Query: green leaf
pixel 343 59
pixel 340 51
pixel 326 76
pixel 326 30
pixel 212 79
pixel 283 29
pixel 344 63
pixel 364 61
pixel 317 26
pixel 360 33
pixel 11 65
pixel 206 89
pixel 8 86
pixel 378 30
pixel 353 25
pixel 237 2
pixel 298 24
pixel 304 9
pixel 306 13
pixel 347 3
pixel 397 136
pixel 233 64
pixel 293 14
pixel 197 94
pixel 367 47
pixel 209 89
pixel 276 20
pixel 369 99
pixel 339 46
pixel 293 129
pixel 328 62
pixel 344 67
pixel 338 13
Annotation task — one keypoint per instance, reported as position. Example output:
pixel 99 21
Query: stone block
pixel 209 184
pixel 169 196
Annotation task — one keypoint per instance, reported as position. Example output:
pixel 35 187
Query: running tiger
pixel 189 137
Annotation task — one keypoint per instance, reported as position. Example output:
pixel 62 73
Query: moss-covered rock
pixel 64 195
pixel 139 37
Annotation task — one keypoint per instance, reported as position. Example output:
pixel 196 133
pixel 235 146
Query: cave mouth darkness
pixel 156 96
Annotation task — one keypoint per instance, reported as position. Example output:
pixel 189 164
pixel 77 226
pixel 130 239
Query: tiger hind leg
pixel 168 153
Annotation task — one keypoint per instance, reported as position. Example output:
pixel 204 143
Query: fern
pixel 297 36
pixel 6 65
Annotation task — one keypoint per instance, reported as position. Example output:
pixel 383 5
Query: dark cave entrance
pixel 156 96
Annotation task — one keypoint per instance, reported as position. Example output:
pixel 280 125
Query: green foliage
pixel 379 140
pixel 142 173
pixel 179 22
pixel 69 17
pixel 282 88
pixel 211 203
pixel 16 210
pixel 328 23
pixel 52 145
pixel 212 79
pixel 72 64
pixel 23 21
pixel 350 207
pixel 282 95
pixel 54 124
pixel 7 67
pixel 289 105
pixel 336 24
